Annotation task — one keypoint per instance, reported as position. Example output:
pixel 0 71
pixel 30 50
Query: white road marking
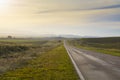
pixel 97 60
pixel 75 65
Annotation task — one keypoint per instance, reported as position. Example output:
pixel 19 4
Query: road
pixel 94 66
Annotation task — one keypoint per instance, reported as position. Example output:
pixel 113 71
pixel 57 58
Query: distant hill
pixel 102 40
pixel 106 42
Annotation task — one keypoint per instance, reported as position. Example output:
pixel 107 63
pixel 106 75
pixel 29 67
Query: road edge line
pixel 75 65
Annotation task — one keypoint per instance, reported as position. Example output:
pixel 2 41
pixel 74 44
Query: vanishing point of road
pixel 94 66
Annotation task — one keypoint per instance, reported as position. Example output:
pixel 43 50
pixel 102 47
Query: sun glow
pixel 4 3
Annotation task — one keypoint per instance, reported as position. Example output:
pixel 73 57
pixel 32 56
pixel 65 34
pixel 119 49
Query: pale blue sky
pixel 78 17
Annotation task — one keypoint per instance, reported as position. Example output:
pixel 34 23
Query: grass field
pixel 16 53
pixel 28 59
pixel 104 45
pixel 52 65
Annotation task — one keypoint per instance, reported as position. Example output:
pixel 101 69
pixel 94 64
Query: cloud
pixel 109 13
pixel 109 7
pixel 77 9
pixel 108 18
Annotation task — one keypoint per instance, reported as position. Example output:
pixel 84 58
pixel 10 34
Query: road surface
pixel 94 66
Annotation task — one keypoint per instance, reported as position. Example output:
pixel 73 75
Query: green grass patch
pixel 103 45
pixel 52 65
pixel 15 54
pixel 114 52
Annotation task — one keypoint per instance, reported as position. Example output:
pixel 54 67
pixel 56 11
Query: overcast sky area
pixel 77 17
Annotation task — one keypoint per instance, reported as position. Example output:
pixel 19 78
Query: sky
pixel 60 17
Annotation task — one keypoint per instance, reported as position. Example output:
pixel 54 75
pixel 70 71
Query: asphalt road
pixel 94 66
